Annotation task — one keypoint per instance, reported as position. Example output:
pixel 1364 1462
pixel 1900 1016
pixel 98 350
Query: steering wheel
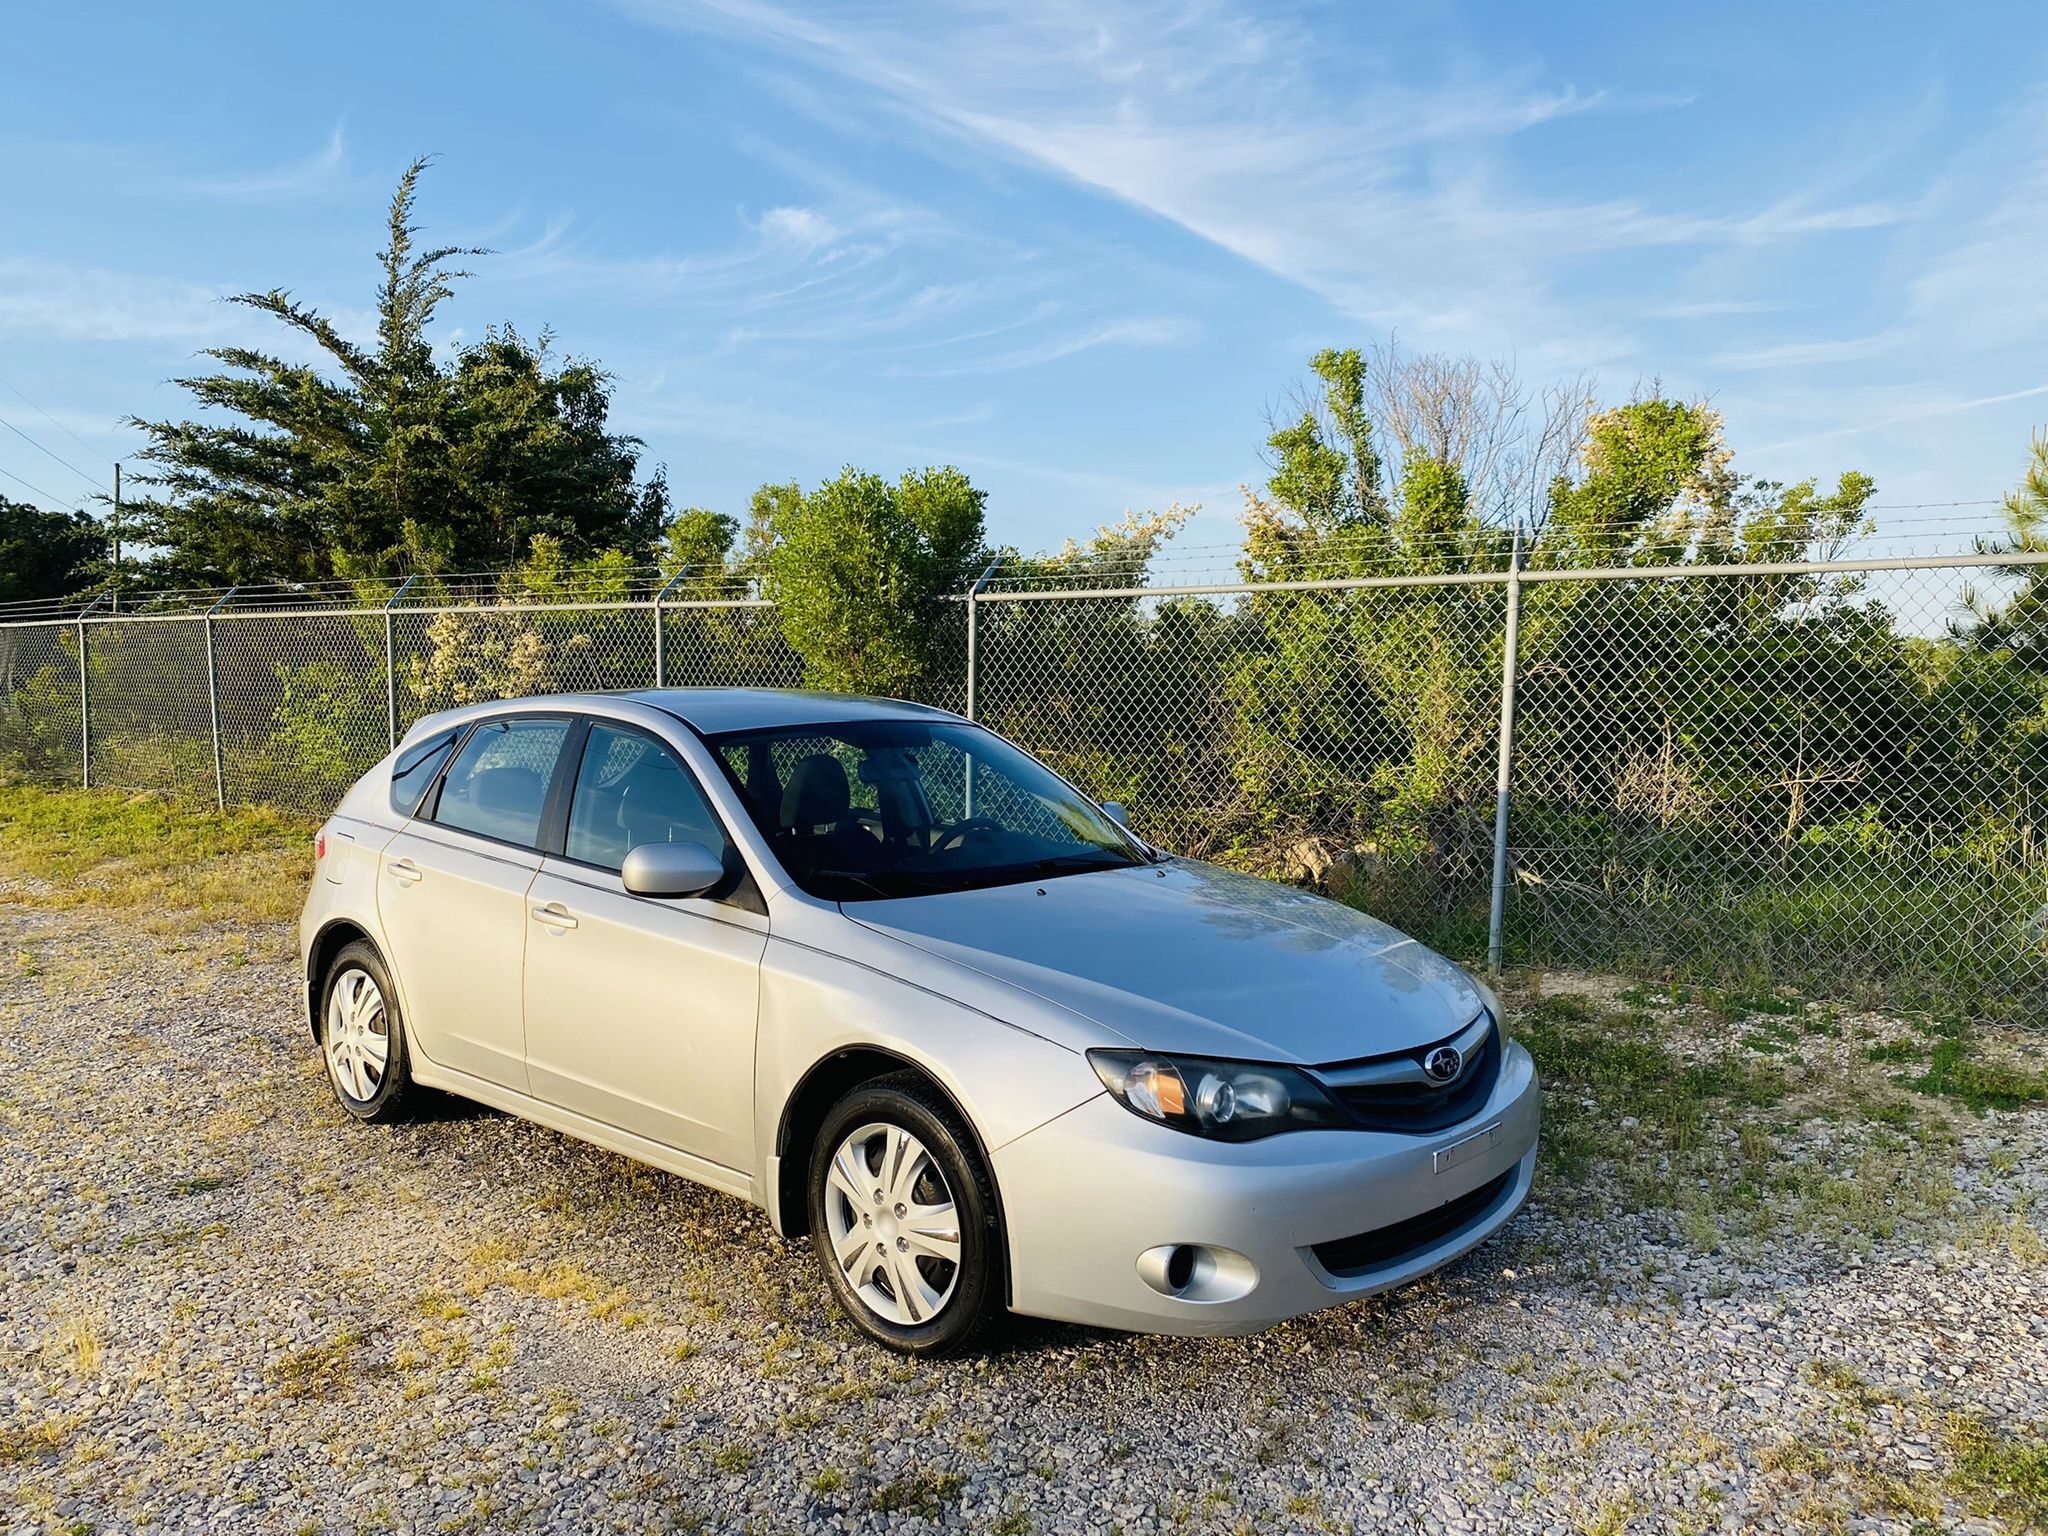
pixel 972 829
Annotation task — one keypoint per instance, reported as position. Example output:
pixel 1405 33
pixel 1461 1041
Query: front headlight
pixel 1223 1100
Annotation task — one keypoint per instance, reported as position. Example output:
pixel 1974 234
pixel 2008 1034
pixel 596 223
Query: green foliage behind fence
pixel 1801 776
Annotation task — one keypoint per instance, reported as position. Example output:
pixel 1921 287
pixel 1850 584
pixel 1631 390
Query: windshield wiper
pixel 865 882
pixel 1077 863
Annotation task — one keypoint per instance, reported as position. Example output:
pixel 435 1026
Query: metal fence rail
pixel 1732 771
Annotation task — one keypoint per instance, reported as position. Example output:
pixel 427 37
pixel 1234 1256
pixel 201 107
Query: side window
pixel 415 770
pixel 499 781
pixel 632 790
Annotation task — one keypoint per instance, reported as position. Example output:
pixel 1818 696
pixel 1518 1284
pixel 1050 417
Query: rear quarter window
pixel 415 769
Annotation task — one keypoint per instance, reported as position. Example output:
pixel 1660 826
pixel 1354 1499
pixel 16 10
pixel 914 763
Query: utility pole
pixel 117 537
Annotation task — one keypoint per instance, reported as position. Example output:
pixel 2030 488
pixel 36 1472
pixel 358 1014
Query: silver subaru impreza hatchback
pixel 884 974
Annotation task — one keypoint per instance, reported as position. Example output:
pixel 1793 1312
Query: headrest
pixel 817 793
pixel 507 788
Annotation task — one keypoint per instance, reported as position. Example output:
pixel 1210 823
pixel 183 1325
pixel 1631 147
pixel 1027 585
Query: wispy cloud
pixel 97 304
pixel 1375 192
pixel 801 228
pixel 1980 282
pixel 1709 309
pixel 94 304
pixel 1151 331
pixel 1927 412
pixel 1806 354
pixel 315 173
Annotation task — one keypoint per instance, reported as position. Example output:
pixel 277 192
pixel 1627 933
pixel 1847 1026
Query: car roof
pixel 714 711
pixel 709 711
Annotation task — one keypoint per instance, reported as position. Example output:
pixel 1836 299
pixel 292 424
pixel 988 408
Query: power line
pixel 39 448
pixel 36 488
pixel 53 421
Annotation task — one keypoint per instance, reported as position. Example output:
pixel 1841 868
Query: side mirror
pixel 671 869
pixel 1114 810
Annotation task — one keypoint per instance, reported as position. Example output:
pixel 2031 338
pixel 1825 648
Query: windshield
pixel 883 808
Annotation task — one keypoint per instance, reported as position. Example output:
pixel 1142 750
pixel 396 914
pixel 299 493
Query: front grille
pixel 1349 1257
pixel 1419 1107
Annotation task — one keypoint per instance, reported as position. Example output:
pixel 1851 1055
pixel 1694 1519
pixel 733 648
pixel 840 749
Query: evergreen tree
pixel 384 458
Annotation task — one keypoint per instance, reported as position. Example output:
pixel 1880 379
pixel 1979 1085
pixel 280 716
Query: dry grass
pixel 152 856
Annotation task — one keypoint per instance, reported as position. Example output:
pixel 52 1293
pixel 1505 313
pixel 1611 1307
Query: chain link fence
pixel 1829 773
pixel 288 707
pixel 1823 772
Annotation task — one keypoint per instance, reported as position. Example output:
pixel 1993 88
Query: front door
pixel 451 892
pixel 640 1012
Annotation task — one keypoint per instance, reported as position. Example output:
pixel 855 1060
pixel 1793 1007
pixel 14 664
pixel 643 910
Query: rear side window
pixel 498 783
pixel 415 770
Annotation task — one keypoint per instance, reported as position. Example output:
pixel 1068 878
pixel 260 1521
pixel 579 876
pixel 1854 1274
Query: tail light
pixel 319 846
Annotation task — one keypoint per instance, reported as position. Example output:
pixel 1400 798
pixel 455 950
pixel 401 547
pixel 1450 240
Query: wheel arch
pixel 335 935
pixel 828 1081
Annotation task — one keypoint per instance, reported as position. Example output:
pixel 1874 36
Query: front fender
pixel 1004 1079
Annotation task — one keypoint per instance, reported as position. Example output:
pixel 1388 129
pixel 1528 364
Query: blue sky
pixel 1077 249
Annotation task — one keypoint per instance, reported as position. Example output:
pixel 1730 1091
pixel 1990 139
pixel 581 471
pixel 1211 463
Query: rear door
pixel 640 1012
pixel 451 893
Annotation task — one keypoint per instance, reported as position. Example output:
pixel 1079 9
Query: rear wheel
pixel 362 1037
pixel 903 1218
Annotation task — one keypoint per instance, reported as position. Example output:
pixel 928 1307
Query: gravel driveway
pixel 223 1307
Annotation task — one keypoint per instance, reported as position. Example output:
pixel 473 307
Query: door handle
pixel 554 915
pixel 405 871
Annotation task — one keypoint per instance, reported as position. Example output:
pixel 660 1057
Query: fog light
pixel 1197 1272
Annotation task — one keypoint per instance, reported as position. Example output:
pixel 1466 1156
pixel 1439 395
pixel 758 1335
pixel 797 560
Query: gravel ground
pixel 224 1307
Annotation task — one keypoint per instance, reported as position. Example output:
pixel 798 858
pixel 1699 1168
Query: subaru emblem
pixel 1443 1064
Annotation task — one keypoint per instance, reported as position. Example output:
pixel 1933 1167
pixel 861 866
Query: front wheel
pixel 903 1218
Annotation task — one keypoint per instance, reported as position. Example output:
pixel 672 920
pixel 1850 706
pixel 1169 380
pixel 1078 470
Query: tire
pixel 376 1092
pixel 893 1270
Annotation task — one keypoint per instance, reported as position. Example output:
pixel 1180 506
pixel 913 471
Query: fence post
pixel 84 713
pixel 85 700
pixel 973 606
pixel 974 593
pixel 220 776
pixel 1510 645
pixel 660 643
pixel 391 662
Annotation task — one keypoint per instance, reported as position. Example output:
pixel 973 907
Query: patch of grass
pixel 1645 1097
pixel 1794 1456
pixel 199 1184
pixel 827 1480
pixel 1953 1072
pixel 318 1370
pixel 1743 1003
pixel 922 1492
pixel 1713 1138
pixel 736 1457
pixel 1844 1381
pixel 2003 1476
pixel 128 852
pixel 1611 1518
pixel 78 1344
pixel 29 1441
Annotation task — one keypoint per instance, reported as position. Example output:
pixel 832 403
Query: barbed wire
pixel 517 587
pixel 1291 552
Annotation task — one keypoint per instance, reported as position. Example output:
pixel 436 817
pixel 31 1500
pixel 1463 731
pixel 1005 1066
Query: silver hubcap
pixel 892 1224
pixel 358 1035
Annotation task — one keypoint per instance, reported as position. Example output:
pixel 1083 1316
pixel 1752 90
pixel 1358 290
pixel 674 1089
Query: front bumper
pixel 1086 1196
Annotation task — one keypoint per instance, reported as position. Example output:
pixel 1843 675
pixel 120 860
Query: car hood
pixel 1187 957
